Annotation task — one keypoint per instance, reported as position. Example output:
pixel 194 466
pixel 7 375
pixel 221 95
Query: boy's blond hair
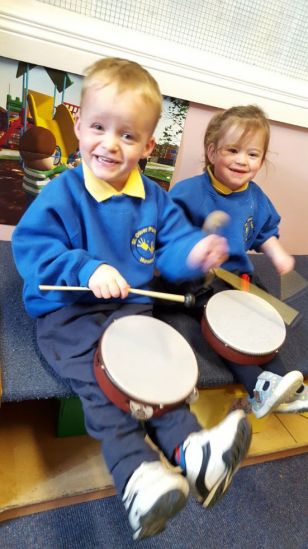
pixel 249 118
pixel 126 75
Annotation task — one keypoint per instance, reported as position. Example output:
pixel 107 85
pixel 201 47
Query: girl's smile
pixel 236 161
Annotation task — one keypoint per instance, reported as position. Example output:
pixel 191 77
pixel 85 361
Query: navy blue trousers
pixel 68 339
pixel 248 375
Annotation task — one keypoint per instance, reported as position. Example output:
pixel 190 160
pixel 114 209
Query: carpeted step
pixel 25 373
pixel 27 376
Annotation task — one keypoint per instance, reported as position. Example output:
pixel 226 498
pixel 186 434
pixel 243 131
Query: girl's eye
pixel 254 155
pixel 127 136
pixel 98 127
pixel 232 150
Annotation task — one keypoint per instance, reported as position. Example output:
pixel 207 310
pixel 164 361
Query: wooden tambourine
pixel 243 327
pixel 145 367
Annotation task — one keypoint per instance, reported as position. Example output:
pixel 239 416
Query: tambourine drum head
pixel 245 323
pixel 148 360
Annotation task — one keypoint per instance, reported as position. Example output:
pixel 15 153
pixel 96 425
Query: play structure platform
pixel 60 123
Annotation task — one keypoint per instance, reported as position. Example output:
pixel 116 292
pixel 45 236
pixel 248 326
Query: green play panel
pixel 70 418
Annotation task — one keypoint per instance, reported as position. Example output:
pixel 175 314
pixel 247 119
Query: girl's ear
pixel 211 153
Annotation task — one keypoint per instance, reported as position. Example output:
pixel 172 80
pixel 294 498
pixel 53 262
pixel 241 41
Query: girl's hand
pixel 283 262
pixel 107 282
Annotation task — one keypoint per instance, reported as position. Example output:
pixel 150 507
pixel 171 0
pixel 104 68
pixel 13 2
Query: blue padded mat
pixel 25 373
pixel 27 376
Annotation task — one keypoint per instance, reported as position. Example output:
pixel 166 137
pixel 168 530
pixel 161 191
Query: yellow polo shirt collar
pixel 101 190
pixel 221 188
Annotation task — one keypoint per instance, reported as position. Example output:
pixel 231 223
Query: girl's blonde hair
pixel 249 118
pixel 126 75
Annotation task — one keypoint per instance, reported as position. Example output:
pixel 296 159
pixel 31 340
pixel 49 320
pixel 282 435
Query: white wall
pixel 45 35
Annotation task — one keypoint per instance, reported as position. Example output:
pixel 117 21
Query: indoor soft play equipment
pixel 61 124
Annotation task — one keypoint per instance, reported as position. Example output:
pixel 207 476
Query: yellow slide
pixel 61 124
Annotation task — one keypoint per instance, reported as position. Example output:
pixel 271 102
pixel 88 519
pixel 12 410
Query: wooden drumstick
pixel 212 224
pixel 287 313
pixel 187 299
pixel 215 221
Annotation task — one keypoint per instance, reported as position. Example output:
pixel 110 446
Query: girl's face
pixel 235 161
pixel 114 131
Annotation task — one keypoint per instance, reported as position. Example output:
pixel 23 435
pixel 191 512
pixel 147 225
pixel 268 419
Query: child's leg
pixel 246 375
pixel 296 403
pixel 122 437
pixel 151 494
pixel 297 400
pixel 68 339
pixel 208 458
pixel 267 386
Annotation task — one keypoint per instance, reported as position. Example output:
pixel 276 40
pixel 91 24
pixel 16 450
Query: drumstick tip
pixel 189 300
pixel 215 221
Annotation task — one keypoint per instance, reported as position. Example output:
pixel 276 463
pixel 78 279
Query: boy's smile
pixel 114 131
pixel 235 161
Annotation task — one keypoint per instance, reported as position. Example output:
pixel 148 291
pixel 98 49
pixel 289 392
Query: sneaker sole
pixel 157 517
pixel 284 391
pixel 232 459
pixel 290 408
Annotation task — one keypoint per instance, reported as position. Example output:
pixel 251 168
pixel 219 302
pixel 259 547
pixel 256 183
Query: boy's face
pixel 114 131
pixel 237 162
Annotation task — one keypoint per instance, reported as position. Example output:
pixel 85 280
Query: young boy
pixel 102 225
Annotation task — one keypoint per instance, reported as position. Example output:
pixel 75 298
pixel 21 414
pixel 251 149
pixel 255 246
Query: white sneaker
pixel 213 457
pixel 152 496
pixel 271 390
pixel 296 404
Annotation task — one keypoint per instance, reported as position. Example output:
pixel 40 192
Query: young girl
pixel 235 144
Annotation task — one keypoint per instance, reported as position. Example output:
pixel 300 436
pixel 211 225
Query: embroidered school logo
pixel 248 228
pixel 143 244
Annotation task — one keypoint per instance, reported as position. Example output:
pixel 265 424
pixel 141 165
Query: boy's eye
pixel 127 136
pixel 97 126
pixel 232 150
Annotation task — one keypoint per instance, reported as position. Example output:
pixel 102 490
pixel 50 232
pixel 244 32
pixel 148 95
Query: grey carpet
pixel 266 508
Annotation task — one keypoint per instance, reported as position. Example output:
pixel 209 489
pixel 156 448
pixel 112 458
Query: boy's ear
pixel 77 125
pixel 211 153
pixel 148 147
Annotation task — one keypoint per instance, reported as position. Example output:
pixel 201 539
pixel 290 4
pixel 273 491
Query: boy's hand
pixel 107 282
pixel 208 253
